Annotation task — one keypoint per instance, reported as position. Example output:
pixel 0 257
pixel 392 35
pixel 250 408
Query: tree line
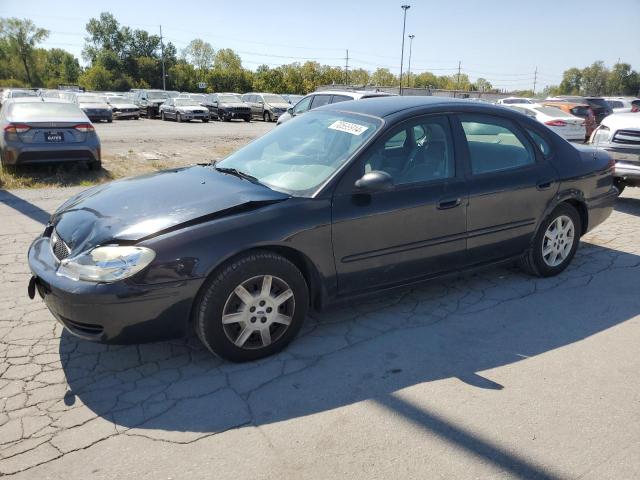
pixel 120 58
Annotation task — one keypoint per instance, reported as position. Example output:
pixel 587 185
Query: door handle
pixel 449 203
pixel 544 185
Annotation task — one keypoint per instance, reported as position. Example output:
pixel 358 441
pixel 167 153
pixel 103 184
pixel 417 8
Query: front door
pixel 412 231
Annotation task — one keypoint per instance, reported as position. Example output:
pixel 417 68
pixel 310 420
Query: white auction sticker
pixel 348 127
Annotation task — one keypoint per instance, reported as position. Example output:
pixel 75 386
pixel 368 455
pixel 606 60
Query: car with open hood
pixel 94 106
pixel 348 199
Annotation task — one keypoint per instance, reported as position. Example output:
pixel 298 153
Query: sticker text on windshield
pixel 348 127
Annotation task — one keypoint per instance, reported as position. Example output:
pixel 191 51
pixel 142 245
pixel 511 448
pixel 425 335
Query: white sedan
pixel 568 126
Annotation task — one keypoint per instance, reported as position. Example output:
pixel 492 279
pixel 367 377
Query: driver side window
pixel 419 151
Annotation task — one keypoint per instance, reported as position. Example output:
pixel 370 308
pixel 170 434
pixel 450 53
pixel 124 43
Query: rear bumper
pixel 627 163
pixel 599 208
pixel 194 116
pixel 121 312
pixel 24 154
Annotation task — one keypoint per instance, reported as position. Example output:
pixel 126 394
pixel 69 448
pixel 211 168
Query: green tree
pixel 383 77
pixel 571 82
pixel 482 85
pixel 96 78
pixel 200 54
pixel 21 38
pixel 594 79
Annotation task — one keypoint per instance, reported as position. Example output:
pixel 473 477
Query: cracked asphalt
pixel 490 375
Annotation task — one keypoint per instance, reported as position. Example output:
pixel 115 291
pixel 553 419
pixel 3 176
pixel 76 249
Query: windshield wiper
pixel 238 173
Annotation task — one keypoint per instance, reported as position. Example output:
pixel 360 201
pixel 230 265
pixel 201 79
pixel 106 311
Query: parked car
pixel 9 93
pixel 266 106
pixel 318 99
pixel 292 99
pixel 94 106
pixel 619 135
pixel 121 107
pixel 40 130
pixel 351 198
pixel 620 104
pixel 149 101
pixel 228 106
pixel 514 101
pixel 183 110
pixel 568 126
pixel 635 105
pixel 599 105
pixel 581 110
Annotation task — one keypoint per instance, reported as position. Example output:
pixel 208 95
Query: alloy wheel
pixel 258 312
pixel 558 241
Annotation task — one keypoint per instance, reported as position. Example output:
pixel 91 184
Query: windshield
pixel 274 99
pixel 197 98
pixel 186 102
pixel 23 93
pixel 300 155
pixel 116 100
pixel 157 95
pixel 512 101
pixel 90 99
pixel 229 99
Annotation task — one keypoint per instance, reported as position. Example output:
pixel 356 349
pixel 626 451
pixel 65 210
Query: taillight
pixel 17 128
pixel 85 127
pixel 556 123
pixel 635 109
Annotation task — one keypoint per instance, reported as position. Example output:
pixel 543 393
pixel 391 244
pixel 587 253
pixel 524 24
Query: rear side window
pixel 320 100
pixel 615 104
pixel 580 111
pixel 541 142
pixel 340 98
pixel 495 144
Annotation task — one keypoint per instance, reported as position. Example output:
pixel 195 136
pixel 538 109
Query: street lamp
pixel 409 70
pixel 404 24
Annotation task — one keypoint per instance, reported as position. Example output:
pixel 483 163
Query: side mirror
pixel 290 111
pixel 375 181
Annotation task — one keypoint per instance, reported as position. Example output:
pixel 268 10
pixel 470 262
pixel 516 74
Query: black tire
pixel 110 120
pixel 212 299
pixel 205 120
pixel 163 117
pixel 619 184
pixel 178 117
pixel 266 116
pixel 533 262
pixel 136 118
pixel 247 119
pixel 95 166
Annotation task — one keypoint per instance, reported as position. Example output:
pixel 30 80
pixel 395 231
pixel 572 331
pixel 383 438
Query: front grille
pixel 627 137
pixel 241 109
pixel 59 248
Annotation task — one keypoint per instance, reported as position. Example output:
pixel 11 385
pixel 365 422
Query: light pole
pixel 409 69
pixel 404 25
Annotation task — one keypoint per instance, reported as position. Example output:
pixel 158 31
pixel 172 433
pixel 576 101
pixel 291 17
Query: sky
pixel 501 40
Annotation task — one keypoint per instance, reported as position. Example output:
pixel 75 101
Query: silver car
pixel 122 108
pixel 267 106
pixel 40 130
pixel 95 107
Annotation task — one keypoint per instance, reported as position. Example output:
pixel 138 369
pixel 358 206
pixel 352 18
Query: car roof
pixel 388 105
pixel 617 121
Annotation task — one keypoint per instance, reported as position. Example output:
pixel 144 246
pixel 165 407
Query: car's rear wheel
pixel 251 308
pixel 247 119
pixel 95 166
pixel 266 116
pixel 205 120
pixel 619 184
pixel 555 244
pixel 178 117
pixel 162 117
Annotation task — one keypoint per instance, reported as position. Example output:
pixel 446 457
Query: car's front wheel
pixel 266 116
pixel 555 244
pixel 162 117
pixel 253 307
pixel 619 184
pixel 178 117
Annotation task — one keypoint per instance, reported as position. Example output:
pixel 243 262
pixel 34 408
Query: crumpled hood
pixel 124 105
pixel 139 207
pixel 233 105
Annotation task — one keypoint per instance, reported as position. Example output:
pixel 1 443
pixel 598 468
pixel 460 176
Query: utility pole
pixel 535 80
pixel 409 70
pixel 164 86
pixel 458 83
pixel 346 69
pixel 404 25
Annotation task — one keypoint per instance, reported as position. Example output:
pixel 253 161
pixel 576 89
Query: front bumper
pixel 627 162
pixel 133 114
pixel 234 115
pixel 120 312
pixel 194 116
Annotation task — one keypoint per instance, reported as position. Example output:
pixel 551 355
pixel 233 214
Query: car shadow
pixel 64 174
pixel 628 205
pixel 25 207
pixel 368 350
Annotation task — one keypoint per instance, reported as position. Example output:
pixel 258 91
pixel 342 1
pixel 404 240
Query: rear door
pixel 510 186
pixel 414 230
